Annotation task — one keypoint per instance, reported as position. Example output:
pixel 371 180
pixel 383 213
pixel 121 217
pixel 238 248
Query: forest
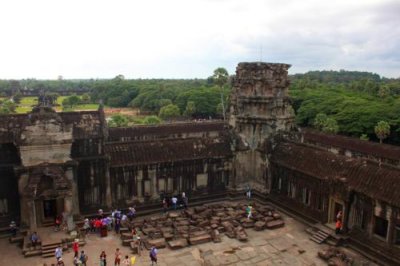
pixel 341 102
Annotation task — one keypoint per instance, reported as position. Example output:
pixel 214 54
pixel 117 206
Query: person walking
pixel 58 252
pixel 185 202
pixel 126 261
pixel 118 255
pixel 153 255
pixel 338 226
pixel 75 247
pixel 13 228
pixel 103 258
pixel 83 258
pixel 174 200
pixel 165 205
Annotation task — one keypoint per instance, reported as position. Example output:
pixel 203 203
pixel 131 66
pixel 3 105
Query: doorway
pixel 49 208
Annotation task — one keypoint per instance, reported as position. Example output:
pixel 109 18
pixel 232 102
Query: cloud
pixel 186 39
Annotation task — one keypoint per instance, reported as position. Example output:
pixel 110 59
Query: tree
pixel 190 109
pixel 364 137
pixel 118 120
pixel 384 91
pixel 169 111
pixel 330 126
pixel 85 98
pixel 7 107
pixel 382 130
pixel 220 78
pixel 151 120
pixel 17 97
pixel 71 101
pixel 320 121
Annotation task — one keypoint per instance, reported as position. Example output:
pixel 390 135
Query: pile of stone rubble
pixel 178 229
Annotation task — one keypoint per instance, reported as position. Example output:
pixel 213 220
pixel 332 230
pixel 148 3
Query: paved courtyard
pixel 289 245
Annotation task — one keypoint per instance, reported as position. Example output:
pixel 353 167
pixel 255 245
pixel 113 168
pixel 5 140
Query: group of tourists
pixel 173 202
pixel 80 259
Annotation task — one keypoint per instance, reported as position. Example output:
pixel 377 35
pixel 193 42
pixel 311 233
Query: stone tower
pixel 259 111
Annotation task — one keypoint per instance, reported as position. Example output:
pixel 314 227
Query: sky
pixel 44 39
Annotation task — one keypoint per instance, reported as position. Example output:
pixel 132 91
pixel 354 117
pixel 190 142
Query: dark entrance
pixel 49 208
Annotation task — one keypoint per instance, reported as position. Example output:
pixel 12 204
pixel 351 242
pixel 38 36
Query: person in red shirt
pixel 338 226
pixel 75 247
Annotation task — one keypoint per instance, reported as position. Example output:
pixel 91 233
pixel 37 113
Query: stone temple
pixel 72 162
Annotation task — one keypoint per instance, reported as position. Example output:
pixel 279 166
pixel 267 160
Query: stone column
pixel 153 183
pixel 390 215
pixel 346 214
pixel 70 173
pixel 139 179
pixel 68 203
pixel 108 185
pixel 32 215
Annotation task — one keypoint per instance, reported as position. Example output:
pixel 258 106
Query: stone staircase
pixel 319 237
pixel 48 248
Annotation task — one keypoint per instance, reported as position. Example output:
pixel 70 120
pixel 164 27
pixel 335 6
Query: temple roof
pixel 86 124
pixel 164 130
pixel 171 150
pixel 378 181
pixel 348 143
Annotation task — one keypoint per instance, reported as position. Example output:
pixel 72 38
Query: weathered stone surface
pixel 200 239
pixel 158 243
pixel 259 226
pixel 177 244
pixel 275 224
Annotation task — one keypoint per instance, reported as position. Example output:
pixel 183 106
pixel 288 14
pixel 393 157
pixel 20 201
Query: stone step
pixel 31 253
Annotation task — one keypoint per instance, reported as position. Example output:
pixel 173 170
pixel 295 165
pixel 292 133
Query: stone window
pixel 291 190
pixel 306 196
pixel 381 226
pixel 397 234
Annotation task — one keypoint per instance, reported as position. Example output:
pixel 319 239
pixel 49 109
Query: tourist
pixel 248 211
pixel 58 252
pixel 183 194
pixel 185 202
pixel 165 205
pixel 13 229
pixel 103 258
pixel 118 255
pixel 57 223
pixel 83 258
pixel 86 226
pixel 98 224
pixel 109 222
pixel 153 255
pixel 248 192
pixel 117 225
pixel 75 247
pixel 174 201
pixel 338 226
pixel 339 215
pixel 60 262
pixel 126 261
pixel 34 239
pixel 131 213
pixel 100 212
pixel 77 262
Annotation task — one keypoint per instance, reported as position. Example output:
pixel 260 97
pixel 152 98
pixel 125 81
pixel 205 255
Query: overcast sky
pixel 190 38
